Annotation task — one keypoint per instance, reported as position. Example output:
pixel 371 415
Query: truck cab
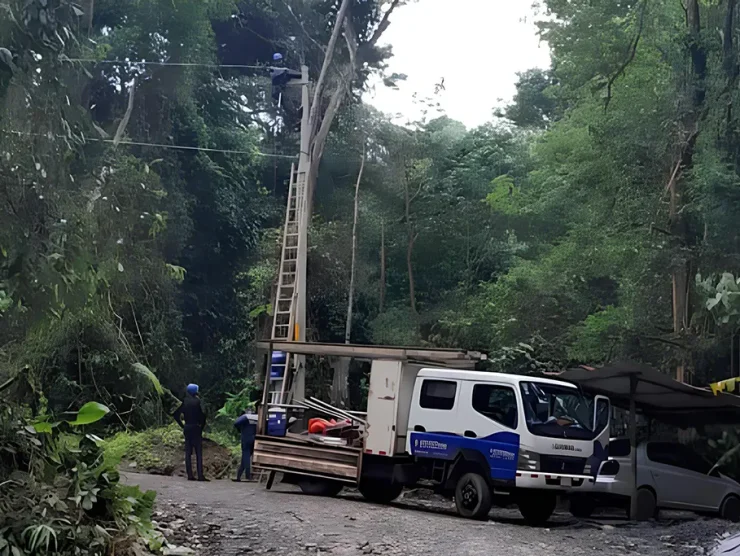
pixel 519 434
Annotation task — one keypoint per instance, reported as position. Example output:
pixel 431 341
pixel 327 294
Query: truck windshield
pixel 557 411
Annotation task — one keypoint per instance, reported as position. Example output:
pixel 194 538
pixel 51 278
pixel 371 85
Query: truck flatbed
pixel 297 455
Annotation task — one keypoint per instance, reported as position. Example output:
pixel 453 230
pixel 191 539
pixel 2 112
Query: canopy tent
pixel 641 388
pixel 657 395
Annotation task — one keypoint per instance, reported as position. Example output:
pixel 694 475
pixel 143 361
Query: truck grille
pixel 562 464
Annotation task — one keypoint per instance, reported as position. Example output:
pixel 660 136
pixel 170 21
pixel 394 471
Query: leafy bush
pixel 237 403
pixel 60 495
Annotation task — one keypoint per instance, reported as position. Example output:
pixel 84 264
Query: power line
pixel 164 146
pixel 174 64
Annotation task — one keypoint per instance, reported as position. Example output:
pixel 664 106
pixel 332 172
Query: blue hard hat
pixel 277 57
pixel 192 389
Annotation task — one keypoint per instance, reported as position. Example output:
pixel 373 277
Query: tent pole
pixel 633 445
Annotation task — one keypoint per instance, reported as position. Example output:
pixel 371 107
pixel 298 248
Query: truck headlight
pixel 528 461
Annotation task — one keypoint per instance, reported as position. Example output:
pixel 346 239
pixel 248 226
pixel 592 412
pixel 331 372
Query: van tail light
pixel 609 468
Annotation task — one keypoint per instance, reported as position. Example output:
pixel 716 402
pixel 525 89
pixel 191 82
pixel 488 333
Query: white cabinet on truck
pixel 388 405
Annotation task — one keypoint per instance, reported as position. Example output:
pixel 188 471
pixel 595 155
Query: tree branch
pixel 127 116
pixel 384 23
pixel 300 24
pixel 351 37
pixel 631 52
pixel 318 92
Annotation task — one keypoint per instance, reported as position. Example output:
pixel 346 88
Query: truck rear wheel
pixel 582 505
pixel 473 497
pixel 536 507
pixel 320 487
pixel 380 491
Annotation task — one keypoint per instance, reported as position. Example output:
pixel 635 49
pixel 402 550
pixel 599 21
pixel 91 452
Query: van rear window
pixel 438 394
pixel 619 448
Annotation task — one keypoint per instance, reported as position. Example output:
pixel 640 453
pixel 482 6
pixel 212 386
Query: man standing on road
pixel 195 421
pixel 248 431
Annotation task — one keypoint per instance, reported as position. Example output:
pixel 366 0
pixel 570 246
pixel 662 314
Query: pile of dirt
pixel 161 451
pixel 170 461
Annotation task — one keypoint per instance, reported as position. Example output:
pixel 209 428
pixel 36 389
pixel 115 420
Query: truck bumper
pixel 554 481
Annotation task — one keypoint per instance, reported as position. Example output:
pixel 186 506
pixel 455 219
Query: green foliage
pixel 504 195
pixel 243 400
pixel 597 338
pixel 59 495
pixel 722 300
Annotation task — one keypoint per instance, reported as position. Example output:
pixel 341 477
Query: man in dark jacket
pixel 195 421
pixel 248 431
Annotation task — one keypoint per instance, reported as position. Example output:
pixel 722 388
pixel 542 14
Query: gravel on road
pixel 228 519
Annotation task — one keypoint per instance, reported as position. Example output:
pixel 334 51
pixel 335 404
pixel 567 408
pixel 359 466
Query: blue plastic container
pixel 277 422
pixel 277 366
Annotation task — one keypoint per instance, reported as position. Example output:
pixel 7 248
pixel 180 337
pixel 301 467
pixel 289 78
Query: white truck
pixel 480 438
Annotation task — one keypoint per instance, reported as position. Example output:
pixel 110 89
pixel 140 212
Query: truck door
pixel 601 429
pixel 433 417
pixel 489 418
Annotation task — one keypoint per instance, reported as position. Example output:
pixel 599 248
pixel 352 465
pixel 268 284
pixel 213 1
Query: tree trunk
pixel 680 276
pixel 381 306
pixel 340 383
pixel 348 327
pixel 410 267
pixel 90 11
pixel 410 247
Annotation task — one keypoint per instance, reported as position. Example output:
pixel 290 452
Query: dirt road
pixel 225 518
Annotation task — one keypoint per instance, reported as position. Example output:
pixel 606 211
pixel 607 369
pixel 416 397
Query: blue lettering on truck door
pixel 501 449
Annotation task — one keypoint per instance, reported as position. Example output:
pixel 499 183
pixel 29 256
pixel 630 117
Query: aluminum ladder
pixel 284 309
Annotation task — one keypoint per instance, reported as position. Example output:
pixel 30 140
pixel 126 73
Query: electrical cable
pixel 173 64
pixel 163 145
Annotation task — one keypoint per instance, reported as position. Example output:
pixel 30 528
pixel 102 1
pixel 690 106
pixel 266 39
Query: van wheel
pixel 473 497
pixel 380 491
pixel 647 505
pixel 537 507
pixel 320 487
pixel 582 506
pixel 730 509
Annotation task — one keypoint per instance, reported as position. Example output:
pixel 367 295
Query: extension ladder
pixel 284 326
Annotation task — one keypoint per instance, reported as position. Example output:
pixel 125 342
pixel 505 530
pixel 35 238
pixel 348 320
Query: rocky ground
pixel 225 518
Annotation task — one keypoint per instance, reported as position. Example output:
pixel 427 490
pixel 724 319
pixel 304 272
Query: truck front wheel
pixel 380 491
pixel 473 497
pixel 536 507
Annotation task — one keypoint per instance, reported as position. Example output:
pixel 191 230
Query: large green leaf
pixel 89 413
pixel 144 370
pixel 44 426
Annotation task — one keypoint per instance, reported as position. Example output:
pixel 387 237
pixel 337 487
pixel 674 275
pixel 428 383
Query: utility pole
pixel 289 310
pixel 304 163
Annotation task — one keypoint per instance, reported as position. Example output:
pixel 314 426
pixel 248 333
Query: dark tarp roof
pixel 658 395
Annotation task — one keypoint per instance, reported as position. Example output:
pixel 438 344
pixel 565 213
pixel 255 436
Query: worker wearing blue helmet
pixel 191 412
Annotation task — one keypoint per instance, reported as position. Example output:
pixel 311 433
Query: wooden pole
pixel 633 446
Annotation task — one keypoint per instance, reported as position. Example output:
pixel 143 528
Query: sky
pixel 478 46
